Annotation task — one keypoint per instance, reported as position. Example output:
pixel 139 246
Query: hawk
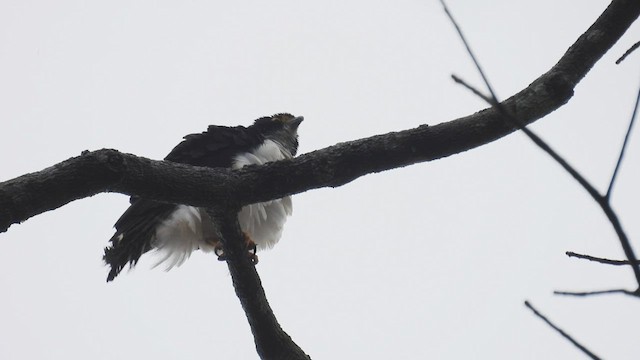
pixel 176 230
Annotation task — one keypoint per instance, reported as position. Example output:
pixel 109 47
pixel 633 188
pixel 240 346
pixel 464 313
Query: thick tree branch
pixel 602 200
pixel 111 171
pixel 272 342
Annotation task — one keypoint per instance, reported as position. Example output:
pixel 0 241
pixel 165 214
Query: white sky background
pixel 430 261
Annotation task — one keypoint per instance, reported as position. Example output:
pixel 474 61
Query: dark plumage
pixel 268 139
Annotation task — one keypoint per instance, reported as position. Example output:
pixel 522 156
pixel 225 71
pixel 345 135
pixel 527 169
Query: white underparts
pixel 178 236
pixel 189 228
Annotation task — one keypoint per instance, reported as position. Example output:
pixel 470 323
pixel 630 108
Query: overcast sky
pixel 429 261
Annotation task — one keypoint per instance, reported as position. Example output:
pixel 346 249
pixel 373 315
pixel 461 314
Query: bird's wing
pixel 215 147
pixel 136 228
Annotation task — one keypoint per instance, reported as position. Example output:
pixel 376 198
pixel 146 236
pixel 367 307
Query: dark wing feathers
pixel 135 229
pixel 215 147
pixel 134 233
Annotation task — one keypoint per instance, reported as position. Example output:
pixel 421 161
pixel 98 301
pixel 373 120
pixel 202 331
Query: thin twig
pixel 600 199
pixel 473 90
pixel 624 145
pixel 537 140
pixel 466 45
pixel 561 332
pixel 626 53
pixel 598 260
pixel 597 292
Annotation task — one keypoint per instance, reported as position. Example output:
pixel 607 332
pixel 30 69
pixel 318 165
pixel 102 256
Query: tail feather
pixel 135 232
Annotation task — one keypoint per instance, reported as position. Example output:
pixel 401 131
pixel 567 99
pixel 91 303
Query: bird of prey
pixel 176 230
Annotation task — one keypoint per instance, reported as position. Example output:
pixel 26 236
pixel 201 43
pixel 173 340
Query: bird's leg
pixel 219 251
pixel 251 248
pixel 250 245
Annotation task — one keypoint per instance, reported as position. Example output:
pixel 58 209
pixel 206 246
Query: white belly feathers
pixel 184 231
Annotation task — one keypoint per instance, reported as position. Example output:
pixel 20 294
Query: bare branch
pixel 628 52
pixel 561 332
pixel 513 118
pixel 536 139
pixel 597 259
pixel 272 342
pixel 111 171
pixel 477 92
pixel 473 57
pixel 597 292
pixel 469 51
pixel 624 145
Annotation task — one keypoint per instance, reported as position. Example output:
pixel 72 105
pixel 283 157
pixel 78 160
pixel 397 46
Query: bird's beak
pixel 296 122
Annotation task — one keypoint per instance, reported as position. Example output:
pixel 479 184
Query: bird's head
pixel 282 128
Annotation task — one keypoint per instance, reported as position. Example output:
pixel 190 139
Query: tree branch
pixel 598 292
pixel 628 52
pixel 624 146
pixel 272 342
pixel 599 260
pixel 111 171
pixel 561 332
pixel 513 118
pixel 602 200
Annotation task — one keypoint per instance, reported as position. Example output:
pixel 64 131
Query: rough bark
pixel 219 189
pixel 272 342
pixel 111 171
